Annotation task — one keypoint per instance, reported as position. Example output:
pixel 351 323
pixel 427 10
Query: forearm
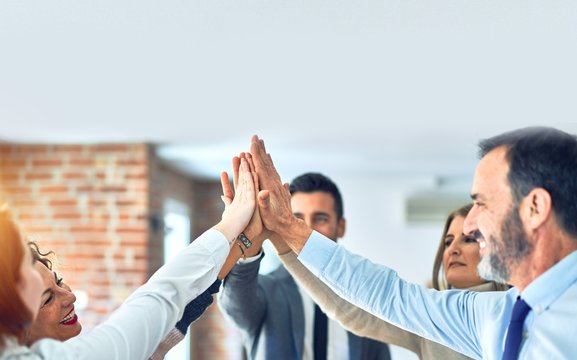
pixel 241 299
pixel 381 292
pixel 153 309
pixel 240 251
pixel 351 317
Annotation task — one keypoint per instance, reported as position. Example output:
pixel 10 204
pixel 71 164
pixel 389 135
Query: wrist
pixel 230 232
pixel 295 234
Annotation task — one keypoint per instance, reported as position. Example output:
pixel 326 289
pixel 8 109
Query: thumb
pixel 225 200
pixel 263 199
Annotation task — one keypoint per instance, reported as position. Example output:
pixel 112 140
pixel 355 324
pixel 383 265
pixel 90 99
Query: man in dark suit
pixel 278 320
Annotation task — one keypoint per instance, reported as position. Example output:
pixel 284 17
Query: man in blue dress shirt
pixel 525 220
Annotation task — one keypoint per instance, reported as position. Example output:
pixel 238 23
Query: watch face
pixel 247 243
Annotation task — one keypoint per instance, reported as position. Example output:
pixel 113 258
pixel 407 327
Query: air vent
pixel 432 208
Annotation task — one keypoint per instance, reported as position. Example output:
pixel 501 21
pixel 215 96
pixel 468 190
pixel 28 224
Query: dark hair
pixel 311 182
pixel 40 256
pixel 542 157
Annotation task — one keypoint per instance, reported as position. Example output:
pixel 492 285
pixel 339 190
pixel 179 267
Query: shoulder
pixel 41 350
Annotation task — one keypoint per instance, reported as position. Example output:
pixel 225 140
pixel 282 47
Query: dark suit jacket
pixel 269 312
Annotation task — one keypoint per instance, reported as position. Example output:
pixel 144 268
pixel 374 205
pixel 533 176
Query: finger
pixel 273 171
pixel 263 199
pixel 225 200
pixel 226 189
pixel 245 178
pixel 235 166
pixel 250 162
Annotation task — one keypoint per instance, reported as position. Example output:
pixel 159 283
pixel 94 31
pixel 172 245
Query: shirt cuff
pixel 317 252
pixel 251 258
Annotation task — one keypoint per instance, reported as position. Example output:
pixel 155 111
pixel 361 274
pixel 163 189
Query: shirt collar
pixel 544 290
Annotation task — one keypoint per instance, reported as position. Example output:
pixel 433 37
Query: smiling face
pixel 461 257
pixel 56 318
pixel 494 220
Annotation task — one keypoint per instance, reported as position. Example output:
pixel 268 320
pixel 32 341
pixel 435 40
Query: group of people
pixel 513 248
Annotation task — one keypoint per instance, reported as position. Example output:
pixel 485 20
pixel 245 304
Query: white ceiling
pixel 399 88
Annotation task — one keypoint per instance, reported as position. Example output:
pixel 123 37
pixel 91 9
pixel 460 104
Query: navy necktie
pixel 320 335
pixel 515 331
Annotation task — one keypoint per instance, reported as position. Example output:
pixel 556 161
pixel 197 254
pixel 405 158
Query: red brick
pixel 131 162
pixel 79 162
pixel 63 202
pixel 18 190
pixel 134 229
pixel 47 162
pixel 12 163
pixel 109 188
pixel 115 148
pixel 37 176
pixel 54 189
pixel 69 148
pixel 74 175
pixel 67 216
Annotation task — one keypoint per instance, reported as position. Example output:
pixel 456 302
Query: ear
pixel 536 208
pixel 342 227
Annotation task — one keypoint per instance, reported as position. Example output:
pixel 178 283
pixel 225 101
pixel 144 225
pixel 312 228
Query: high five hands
pixel 273 217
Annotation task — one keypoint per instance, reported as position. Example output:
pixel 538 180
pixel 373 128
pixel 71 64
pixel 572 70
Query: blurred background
pixel 116 118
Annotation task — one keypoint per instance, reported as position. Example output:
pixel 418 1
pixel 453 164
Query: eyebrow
pixel 313 214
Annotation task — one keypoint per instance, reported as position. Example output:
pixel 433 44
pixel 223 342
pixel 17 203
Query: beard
pixel 506 252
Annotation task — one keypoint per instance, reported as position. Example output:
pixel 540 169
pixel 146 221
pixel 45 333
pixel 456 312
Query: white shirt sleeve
pixel 134 330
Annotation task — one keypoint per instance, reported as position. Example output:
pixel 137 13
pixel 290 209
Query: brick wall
pixel 100 208
pixel 87 203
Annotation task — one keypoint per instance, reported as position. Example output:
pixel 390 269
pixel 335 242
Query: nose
pixel 454 248
pixel 68 297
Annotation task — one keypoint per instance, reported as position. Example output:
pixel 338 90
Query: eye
pixel 448 242
pixel 48 300
pixel 470 239
pixel 321 219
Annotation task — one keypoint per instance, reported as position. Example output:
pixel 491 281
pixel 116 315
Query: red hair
pixel 15 316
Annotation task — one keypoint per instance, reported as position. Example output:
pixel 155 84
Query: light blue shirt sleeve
pixel 473 323
pixel 448 317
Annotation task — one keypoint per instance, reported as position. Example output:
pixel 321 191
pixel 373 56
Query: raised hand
pixel 255 230
pixel 274 199
pixel 240 209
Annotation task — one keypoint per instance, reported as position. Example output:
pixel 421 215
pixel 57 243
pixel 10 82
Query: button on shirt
pixel 472 323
